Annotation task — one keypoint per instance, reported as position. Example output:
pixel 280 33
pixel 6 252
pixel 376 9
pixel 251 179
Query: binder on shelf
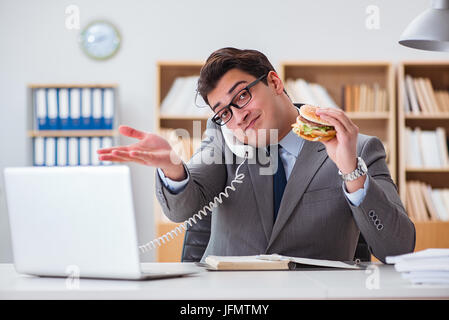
pixel 108 111
pixel 39 151
pixel 106 142
pixel 86 109
pixel 50 151
pixel 84 150
pixel 75 109
pixel 61 151
pixel 40 107
pixel 63 100
pixel 73 151
pixel 95 144
pixel 52 107
pixel 97 109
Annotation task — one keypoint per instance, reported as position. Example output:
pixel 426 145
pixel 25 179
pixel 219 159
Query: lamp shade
pixel 429 30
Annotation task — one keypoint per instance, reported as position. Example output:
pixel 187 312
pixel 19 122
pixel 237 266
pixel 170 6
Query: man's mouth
pixel 251 124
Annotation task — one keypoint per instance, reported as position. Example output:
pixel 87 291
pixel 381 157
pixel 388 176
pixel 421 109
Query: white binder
pixel 84 151
pixel 52 100
pixel 39 151
pixel 95 144
pixel 108 108
pixel 40 100
pixel 86 109
pixel 97 109
pixel 63 97
pixel 50 151
pixel 61 151
pixel 106 142
pixel 75 108
pixel 73 151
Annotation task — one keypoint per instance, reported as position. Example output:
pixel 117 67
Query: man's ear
pixel 275 81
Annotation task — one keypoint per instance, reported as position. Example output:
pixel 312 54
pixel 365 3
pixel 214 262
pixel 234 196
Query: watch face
pixel 100 40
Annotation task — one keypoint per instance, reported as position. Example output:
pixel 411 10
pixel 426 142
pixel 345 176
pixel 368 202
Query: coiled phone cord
pixel 198 216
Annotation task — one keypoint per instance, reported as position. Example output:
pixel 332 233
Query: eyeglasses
pixel 240 100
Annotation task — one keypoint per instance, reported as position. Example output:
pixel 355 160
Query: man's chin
pixel 259 137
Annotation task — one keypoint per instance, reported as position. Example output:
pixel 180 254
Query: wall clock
pixel 100 40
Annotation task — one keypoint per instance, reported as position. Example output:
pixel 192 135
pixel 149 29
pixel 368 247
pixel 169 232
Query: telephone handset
pixel 239 149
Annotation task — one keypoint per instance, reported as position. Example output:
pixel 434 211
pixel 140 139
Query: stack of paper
pixel 430 266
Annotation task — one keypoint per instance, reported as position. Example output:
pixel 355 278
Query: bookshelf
pixel 428 233
pixel 63 128
pixel 167 73
pixel 334 76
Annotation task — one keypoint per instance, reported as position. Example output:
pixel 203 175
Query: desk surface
pixel 376 282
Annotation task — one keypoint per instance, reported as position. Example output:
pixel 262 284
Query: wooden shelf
pixel 438 73
pixel 183 117
pixel 76 85
pixel 333 75
pixel 428 170
pixel 437 116
pixel 167 72
pixel 429 234
pixel 72 133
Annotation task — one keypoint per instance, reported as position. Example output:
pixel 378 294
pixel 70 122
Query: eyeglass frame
pixel 231 104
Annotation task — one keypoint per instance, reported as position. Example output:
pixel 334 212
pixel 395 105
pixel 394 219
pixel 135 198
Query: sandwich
pixel 311 127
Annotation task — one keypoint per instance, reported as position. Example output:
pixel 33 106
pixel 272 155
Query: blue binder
pixel 52 109
pixel 63 107
pixel 40 107
pixel 74 109
pixel 86 109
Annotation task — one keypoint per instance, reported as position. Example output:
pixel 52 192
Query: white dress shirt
pixel 291 147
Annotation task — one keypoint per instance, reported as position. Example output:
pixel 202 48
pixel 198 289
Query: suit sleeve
pixel 206 177
pixel 381 216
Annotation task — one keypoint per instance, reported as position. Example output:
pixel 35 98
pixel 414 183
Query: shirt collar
pixel 292 143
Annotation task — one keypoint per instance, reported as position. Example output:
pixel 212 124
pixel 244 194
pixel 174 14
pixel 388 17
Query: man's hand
pixel 151 150
pixel 343 148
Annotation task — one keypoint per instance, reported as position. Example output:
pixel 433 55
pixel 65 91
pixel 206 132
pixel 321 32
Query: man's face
pixel 257 114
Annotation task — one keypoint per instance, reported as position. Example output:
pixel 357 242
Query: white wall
pixel 37 48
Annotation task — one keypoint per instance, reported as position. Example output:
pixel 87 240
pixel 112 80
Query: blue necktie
pixel 279 183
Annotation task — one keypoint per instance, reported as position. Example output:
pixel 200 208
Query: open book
pixel 271 262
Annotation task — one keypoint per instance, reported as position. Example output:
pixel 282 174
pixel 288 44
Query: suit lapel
pixel 310 159
pixel 263 191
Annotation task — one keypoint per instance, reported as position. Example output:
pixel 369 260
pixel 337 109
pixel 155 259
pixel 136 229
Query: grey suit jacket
pixel 315 219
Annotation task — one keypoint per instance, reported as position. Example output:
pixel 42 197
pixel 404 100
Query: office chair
pixel 197 237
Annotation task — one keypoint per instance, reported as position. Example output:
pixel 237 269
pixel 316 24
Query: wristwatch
pixel 361 170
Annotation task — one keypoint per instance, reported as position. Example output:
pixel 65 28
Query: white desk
pixel 318 284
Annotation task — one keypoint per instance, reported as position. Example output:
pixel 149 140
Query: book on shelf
pixel 422 98
pixel 424 203
pixel 271 262
pixel 314 94
pixel 364 98
pixel 426 148
pixel 180 99
pixel 73 108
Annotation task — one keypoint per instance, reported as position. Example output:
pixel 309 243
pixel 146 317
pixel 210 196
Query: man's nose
pixel 241 116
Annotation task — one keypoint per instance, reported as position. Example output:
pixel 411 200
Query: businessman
pixel 317 202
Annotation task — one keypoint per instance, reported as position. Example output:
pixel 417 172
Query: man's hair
pixel 221 61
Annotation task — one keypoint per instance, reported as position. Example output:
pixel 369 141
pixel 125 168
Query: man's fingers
pixel 117 158
pixel 109 150
pixel 340 116
pixel 131 132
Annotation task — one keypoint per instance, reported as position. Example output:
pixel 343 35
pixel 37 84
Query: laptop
pixel 76 218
